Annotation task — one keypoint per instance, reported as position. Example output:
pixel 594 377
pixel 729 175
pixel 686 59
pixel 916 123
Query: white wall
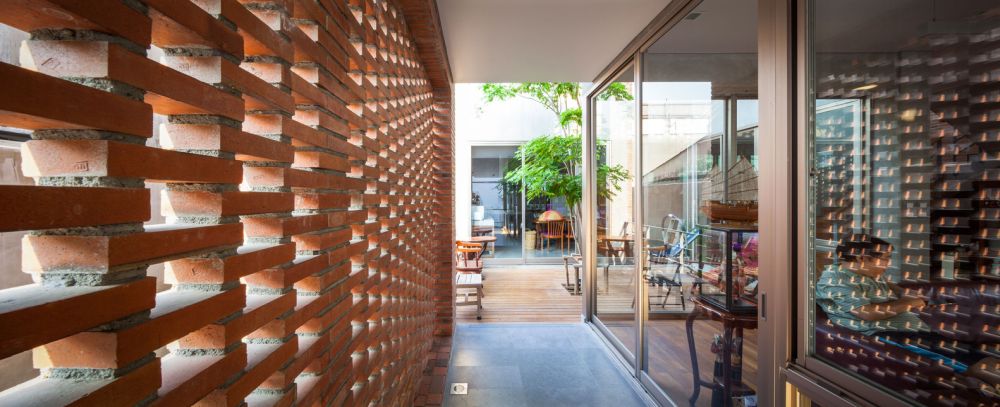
pixel 509 122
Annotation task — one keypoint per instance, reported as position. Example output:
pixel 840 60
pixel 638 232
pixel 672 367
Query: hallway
pixel 536 365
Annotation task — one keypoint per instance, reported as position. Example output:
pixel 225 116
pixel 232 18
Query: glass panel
pixel 496 203
pixel 614 125
pixel 904 210
pixel 699 189
pixel 746 133
pixel 549 226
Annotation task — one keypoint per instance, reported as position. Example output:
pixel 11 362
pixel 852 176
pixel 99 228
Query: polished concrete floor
pixel 536 365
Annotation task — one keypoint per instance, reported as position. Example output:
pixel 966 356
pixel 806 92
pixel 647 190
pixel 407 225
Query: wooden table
pixel 577 264
pixel 482 230
pixel 628 240
pixel 733 325
pixel 470 281
pixel 602 262
pixel 488 240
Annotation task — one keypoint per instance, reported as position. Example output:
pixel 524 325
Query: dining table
pixel 487 241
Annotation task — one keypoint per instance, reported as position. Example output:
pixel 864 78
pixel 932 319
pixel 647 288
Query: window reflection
pixel 615 156
pixel 904 144
pixel 700 159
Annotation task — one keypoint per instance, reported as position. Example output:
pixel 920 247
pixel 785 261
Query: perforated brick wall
pixel 305 168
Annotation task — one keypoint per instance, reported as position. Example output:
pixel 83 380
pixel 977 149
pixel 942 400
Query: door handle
pixel 763 306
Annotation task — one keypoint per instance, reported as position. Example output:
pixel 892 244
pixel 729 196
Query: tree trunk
pixel 576 221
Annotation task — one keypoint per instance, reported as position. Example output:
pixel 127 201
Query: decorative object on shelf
pixel 742 182
pixel 731 211
pixel 738 183
pixel 727 261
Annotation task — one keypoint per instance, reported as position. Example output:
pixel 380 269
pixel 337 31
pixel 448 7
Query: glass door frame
pixel 504 261
pixel 778 220
pixel 524 259
pixel 589 247
pixel 807 375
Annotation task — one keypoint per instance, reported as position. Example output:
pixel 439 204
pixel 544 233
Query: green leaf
pixel 493 92
pixel 571 116
pixel 553 169
pixel 616 91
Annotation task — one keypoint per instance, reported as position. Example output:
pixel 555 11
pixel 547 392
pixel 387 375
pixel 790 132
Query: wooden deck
pixel 536 294
pixel 670 359
pixel 524 294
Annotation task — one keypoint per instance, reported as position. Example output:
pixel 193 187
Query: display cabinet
pixel 727 264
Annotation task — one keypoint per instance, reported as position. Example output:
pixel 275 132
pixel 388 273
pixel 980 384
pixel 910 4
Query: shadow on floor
pixel 536 365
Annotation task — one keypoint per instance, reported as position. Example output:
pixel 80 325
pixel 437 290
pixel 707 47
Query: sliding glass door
pixel 515 230
pixel 901 256
pixel 674 273
pixel 497 202
pixel 699 207
pixel 614 287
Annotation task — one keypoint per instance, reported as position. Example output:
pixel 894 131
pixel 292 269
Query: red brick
pixel 262 360
pixel 98 158
pixel 181 23
pixel 31 207
pixel 34 315
pixel 100 253
pixel 258 38
pixel 100 15
pixel 276 278
pixel 287 226
pixel 379 221
pixel 247 147
pixel 32 100
pixel 230 203
pixel 168 91
pixel 214 270
pixel 127 390
pixel 175 314
pixel 189 379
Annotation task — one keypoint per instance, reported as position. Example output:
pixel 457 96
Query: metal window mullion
pixel 638 222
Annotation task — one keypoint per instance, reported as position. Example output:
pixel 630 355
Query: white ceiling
pixel 713 27
pixel 539 40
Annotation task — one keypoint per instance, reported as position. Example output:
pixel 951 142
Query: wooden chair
pixel 671 250
pixel 468 260
pixel 616 249
pixel 570 233
pixel 554 230
pixel 468 257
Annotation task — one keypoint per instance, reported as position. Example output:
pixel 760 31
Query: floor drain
pixel 459 388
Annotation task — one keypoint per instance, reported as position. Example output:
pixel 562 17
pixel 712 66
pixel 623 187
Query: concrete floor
pixel 536 365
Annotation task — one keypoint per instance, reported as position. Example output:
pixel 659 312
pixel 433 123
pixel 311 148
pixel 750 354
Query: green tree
pixel 552 164
pixel 561 98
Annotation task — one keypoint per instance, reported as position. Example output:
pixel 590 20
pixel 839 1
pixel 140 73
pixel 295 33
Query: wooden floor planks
pixel 536 294
pixel 524 294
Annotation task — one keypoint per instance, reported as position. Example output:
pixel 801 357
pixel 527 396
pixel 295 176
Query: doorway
pixel 525 232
